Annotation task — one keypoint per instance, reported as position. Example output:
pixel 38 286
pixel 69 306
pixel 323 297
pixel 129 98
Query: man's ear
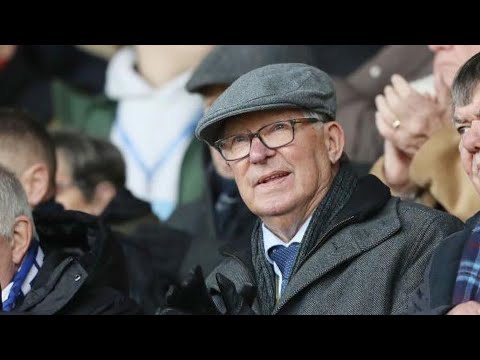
pixel 334 140
pixel 222 167
pixel 105 191
pixel 35 181
pixel 21 238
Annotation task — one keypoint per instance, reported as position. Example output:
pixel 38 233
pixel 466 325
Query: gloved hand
pixel 190 297
pixel 193 298
pixel 236 303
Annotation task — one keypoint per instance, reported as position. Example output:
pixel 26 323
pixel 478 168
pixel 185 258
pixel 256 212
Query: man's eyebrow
pixel 457 120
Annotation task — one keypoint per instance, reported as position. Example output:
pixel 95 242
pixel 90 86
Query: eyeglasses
pixel 273 136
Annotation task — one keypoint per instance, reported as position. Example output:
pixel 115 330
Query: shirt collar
pixel 270 239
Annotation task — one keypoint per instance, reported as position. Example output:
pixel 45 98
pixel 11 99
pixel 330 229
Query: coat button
pixel 375 71
pixel 77 277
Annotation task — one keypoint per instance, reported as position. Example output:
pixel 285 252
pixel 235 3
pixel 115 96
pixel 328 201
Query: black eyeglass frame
pixel 218 144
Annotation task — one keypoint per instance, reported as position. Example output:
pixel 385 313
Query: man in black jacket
pixel 53 269
pixel 91 178
pixel 27 150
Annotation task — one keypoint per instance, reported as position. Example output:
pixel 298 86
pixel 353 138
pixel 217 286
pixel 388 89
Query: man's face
pixel 467 122
pixel 449 58
pixel 209 96
pixel 7 267
pixel 288 179
pixel 68 193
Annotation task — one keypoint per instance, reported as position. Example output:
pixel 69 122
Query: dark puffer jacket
pixel 153 251
pixel 80 269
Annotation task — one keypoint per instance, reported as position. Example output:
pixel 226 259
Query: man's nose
pixel 471 139
pixel 259 152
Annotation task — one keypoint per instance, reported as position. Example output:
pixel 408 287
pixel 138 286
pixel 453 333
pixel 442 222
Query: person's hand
pixel 407 118
pixel 190 297
pixel 236 303
pixel 468 308
pixel 396 170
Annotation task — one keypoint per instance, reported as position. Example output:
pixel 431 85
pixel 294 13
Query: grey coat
pixel 369 262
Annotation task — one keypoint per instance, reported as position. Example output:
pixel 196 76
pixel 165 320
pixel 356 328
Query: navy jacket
pixel 434 295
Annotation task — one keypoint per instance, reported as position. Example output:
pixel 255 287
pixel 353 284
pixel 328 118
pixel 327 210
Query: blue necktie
pixel 284 257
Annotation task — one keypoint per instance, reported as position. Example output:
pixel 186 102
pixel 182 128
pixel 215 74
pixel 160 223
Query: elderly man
pixel 453 278
pixel 327 242
pixel 219 216
pixel 42 272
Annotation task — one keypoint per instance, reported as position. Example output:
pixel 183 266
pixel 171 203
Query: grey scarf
pixel 340 191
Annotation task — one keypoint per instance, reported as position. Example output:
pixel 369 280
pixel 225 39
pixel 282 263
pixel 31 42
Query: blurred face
pixel 467 122
pixel 179 56
pixel 180 50
pixel 449 58
pixel 290 179
pixel 209 96
pixel 68 194
pixel 212 93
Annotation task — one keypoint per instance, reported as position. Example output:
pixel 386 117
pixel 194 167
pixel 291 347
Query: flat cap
pixel 276 86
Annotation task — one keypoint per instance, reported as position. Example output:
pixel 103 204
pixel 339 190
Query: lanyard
pixel 164 156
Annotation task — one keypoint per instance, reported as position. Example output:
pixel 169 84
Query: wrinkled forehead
pixel 253 121
pixel 470 111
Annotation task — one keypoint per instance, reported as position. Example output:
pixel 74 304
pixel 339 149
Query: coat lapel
pixel 344 246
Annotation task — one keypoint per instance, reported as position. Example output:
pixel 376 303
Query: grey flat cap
pixel 226 63
pixel 270 87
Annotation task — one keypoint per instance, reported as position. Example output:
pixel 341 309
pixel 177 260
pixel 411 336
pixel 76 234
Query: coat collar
pixel 370 196
pixel 354 241
pixel 125 207
pixel 62 285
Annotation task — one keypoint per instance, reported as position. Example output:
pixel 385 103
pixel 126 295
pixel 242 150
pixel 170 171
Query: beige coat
pixel 437 170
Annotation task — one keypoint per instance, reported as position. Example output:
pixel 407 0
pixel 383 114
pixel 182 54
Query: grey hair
pixel 13 202
pixel 323 119
pixel 312 114
pixel 465 82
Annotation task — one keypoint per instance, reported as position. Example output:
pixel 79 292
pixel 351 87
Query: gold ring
pixel 396 124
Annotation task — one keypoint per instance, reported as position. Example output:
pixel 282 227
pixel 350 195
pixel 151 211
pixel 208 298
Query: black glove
pixel 191 297
pixel 236 303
